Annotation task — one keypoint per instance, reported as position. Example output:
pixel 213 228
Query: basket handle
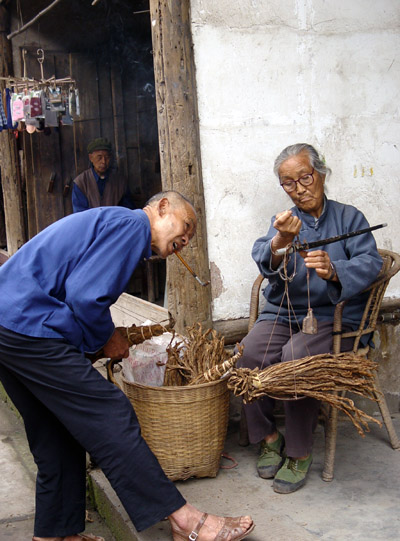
pixel 110 371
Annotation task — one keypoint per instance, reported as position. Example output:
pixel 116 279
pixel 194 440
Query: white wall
pixel 277 72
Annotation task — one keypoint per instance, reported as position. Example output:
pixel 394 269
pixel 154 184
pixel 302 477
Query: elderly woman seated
pixel 319 279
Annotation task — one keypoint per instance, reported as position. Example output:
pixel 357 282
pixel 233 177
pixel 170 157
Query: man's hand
pixel 117 347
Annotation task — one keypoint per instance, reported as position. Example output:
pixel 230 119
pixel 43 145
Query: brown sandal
pixel 231 527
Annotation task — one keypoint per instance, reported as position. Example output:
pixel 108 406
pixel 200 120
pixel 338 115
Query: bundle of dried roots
pixel 199 358
pixel 322 377
pixel 137 334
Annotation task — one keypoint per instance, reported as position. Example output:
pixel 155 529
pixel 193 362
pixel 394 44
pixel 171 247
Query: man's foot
pixel 292 475
pixel 188 521
pixel 271 457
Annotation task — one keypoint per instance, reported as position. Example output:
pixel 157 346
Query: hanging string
pixel 19 11
pixel 24 53
pixel 289 305
pixel 283 273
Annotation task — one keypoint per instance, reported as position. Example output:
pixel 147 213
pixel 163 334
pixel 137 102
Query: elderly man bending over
pixel 53 309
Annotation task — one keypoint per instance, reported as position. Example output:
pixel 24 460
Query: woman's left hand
pixel 320 261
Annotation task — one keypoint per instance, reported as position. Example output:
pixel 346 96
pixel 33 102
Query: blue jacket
pixel 62 282
pixel 356 259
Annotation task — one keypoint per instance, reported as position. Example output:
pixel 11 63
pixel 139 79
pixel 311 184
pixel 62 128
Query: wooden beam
pixel 233 330
pixel 35 18
pixel 10 177
pixel 179 143
pixel 129 310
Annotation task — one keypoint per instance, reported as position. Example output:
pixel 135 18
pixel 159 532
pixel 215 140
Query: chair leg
pixel 330 445
pixel 243 431
pixel 380 397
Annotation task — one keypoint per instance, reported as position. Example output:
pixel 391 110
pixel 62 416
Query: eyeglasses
pixel 305 180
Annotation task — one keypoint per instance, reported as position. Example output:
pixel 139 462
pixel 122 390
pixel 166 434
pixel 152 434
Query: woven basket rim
pixel 173 388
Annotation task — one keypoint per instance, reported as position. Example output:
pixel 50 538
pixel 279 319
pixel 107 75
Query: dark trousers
pixel 269 343
pixel 69 408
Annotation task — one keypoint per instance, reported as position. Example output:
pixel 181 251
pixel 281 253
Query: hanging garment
pixel 11 121
pixel 36 104
pixel 16 108
pixel 3 118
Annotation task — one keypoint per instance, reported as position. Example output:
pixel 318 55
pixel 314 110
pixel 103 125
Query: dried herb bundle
pixel 317 376
pixel 137 334
pixel 212 374
pixel 199 358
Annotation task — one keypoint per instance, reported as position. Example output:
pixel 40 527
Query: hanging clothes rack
pixel 39 103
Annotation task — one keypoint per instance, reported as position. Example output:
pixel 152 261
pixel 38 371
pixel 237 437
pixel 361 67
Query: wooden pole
pixel 10 176
pixel 179 142
pixel 30 23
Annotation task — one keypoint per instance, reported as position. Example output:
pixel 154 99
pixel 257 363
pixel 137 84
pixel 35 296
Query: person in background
pixel 319 278
pixel 100 185
pixel 53 310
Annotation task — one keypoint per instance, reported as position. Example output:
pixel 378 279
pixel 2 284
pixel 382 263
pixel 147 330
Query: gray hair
pixel 316 161
pixel 176 198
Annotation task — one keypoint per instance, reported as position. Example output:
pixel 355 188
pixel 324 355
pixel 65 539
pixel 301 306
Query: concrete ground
pixel 361 503
pixel 17 486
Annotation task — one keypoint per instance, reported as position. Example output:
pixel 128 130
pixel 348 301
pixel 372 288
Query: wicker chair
pixel 391 265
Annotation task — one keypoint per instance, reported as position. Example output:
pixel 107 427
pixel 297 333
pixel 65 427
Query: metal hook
pixel 40 60
pixel 41 53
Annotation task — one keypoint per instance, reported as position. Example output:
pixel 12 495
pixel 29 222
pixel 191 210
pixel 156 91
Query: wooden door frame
pixel 179 141
pixel 9 162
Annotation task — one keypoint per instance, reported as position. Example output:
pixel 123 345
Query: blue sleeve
pixel 359 263
pixel 79 200
pixel 261 254
pixel 102 274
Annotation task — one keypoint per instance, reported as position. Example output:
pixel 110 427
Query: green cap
pixel 99 144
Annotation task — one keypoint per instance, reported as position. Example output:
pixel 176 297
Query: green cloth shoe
pixel 292 475
pixel 271 457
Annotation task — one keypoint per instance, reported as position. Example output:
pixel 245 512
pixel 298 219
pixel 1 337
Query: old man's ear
pixel 163 205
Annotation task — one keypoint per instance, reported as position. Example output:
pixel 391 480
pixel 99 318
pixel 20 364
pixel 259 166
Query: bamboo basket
pixel 184 426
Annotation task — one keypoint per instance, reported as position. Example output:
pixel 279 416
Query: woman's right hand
pixel 288 227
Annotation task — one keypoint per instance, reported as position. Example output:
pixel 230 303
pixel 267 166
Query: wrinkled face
pixel 101 160
pixel 310 198
pixel 173 229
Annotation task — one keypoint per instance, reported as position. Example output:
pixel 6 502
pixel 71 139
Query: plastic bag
pixel 146 361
